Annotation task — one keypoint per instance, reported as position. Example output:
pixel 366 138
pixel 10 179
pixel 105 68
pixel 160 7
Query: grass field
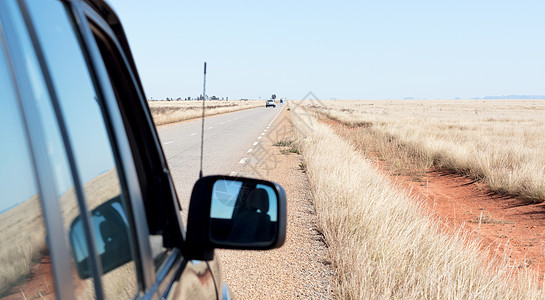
pixel 498 142
pixel 382 242
pixel 21 246
pixel 166 112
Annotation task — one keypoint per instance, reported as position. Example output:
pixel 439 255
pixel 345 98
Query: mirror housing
pixel 234 213
pixel 111 230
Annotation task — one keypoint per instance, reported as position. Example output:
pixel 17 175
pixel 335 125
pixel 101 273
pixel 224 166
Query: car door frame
pixel 46 181
pixel 121 145
pixel 155 283
pixel 12 46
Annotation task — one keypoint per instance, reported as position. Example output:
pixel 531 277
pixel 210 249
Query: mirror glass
pixel 111 230
pixel 243 213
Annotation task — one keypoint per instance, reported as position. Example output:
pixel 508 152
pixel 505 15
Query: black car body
pixel 88 208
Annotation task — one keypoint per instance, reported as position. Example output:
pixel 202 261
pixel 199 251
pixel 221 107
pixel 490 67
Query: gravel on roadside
pixel 300 268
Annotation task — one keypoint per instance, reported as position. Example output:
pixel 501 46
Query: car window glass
pixel 25 265
pixel 124 90
pixel 94 156
pixel 54 146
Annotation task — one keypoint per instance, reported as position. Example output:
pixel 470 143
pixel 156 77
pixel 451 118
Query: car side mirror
pixel 111 230
pixel 235 213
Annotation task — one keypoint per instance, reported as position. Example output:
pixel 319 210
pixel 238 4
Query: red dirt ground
pixel 40 282
pixel 509 224
pixel 505 223
pixel 39 285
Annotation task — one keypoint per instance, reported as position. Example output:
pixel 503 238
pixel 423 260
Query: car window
pixel 64 186
pixel 25 265
pixel 142 144
pixel 97 170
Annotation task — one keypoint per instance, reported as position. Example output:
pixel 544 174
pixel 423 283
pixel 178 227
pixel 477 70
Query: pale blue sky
pixel 344 49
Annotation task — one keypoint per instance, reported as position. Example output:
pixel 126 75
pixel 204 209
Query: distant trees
pixel 200 97
pixel 273 96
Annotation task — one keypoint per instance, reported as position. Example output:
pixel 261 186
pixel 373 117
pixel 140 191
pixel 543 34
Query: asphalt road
pixel 228 139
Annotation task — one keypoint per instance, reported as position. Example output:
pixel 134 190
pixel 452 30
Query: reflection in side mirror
pixel 234 213
pixel 243 213
pixel 111 230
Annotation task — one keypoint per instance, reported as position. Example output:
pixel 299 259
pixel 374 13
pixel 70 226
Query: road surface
pixel 228 139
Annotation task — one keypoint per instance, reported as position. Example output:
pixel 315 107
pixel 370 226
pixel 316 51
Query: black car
pixel 88 208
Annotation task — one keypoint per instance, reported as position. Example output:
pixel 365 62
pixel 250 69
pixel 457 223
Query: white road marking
pixel 242 160
pixel 255 143
pixel 250 150
pixel 263 133
pixel 259 137
pixel 233 173
pixel 276 116
pixel 193 134
pixel 265 130
pixel 221 123
pixel 210 127
pixel 166 143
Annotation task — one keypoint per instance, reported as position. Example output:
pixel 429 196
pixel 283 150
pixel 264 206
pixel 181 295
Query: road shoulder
pixel 301 267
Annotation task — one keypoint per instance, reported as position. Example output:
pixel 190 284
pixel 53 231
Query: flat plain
pixel 428 199
pixel 167 112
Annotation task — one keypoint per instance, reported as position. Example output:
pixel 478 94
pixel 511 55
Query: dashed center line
pixel 260 137
pixel 255 143
pixel 250 150
pixel 243 160
pixel 263 133
pixel 166 143
pixel 193 134
pixel 210 127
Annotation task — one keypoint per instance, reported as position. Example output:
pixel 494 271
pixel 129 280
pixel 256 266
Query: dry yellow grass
pixel 499 142
pixel 166 112
pixel 22 241
pixel 381 242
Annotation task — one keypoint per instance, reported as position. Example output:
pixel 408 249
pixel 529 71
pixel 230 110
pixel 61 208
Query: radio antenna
pixel 202 127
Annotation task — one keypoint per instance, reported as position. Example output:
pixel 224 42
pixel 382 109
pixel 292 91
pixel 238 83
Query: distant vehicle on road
pixel 270 103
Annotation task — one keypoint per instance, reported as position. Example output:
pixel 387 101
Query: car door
pixel 176 277
pixel 99 163
pixel 23 247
